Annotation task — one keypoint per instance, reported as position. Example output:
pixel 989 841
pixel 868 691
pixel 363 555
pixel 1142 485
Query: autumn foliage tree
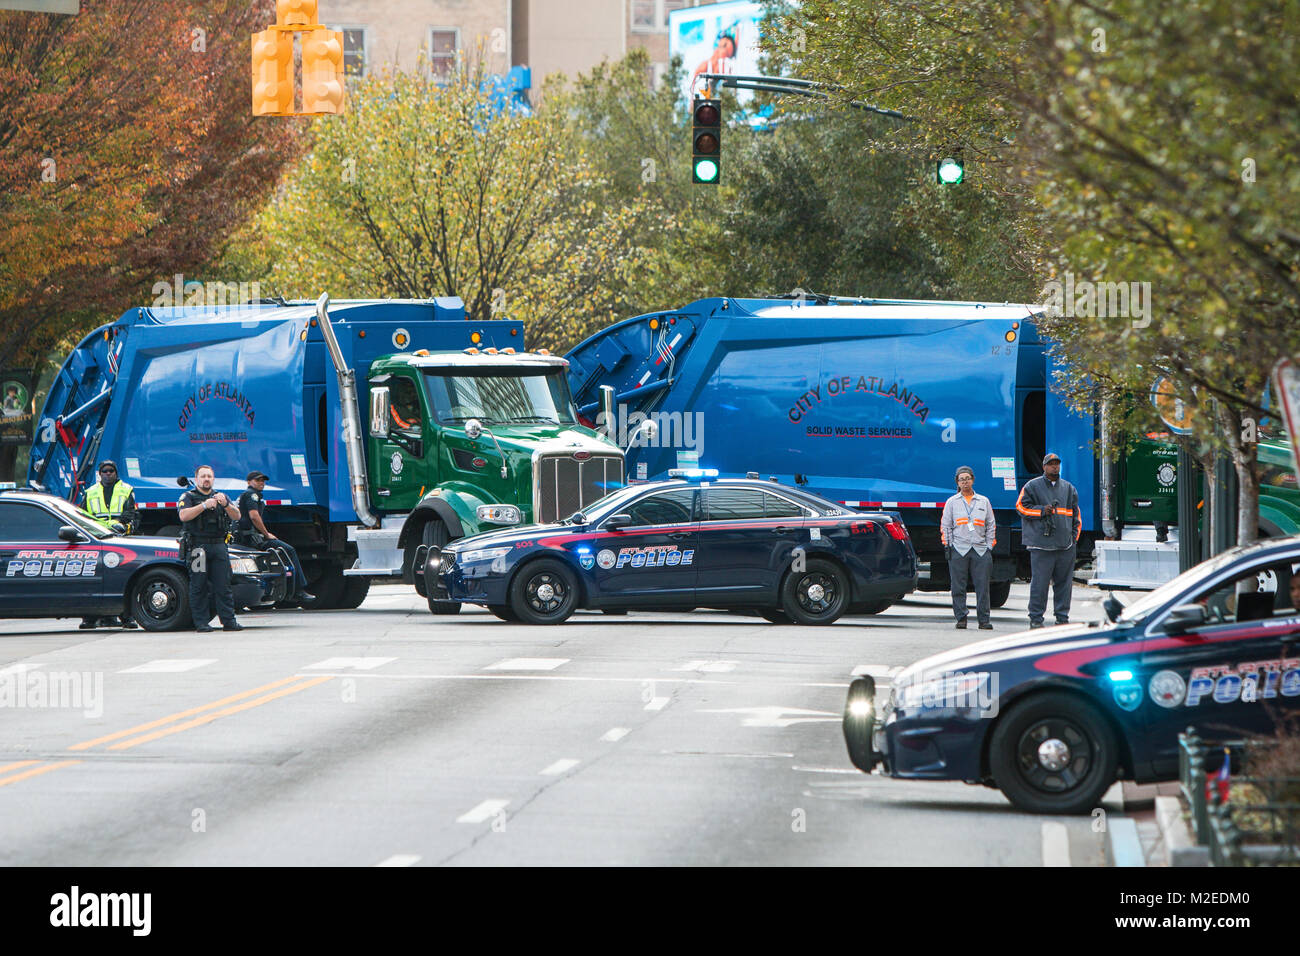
pixel 128 153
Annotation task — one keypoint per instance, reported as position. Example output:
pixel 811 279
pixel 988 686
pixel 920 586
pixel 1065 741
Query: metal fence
pixel 1237 832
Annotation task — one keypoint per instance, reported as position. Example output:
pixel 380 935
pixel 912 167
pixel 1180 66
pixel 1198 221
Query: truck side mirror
pixel 379 412
pixel 1184 617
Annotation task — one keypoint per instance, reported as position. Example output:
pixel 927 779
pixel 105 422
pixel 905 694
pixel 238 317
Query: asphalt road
pixel 388 736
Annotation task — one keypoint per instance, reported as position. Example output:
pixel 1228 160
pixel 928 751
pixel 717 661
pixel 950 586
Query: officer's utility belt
pixel 204 539
pixel 252 539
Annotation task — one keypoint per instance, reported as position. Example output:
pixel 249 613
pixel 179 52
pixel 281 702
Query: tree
pixel 128 153
pixel 1142 145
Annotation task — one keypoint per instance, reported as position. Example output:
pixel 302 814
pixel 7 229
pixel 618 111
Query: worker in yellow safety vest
pixel 111 500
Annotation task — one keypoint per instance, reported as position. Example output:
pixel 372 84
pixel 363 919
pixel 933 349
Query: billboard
pixel 718 38
pixel 15 408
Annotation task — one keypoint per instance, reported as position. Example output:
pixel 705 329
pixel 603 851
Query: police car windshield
pixel 612 502
pixel 79 519
pixel 500 395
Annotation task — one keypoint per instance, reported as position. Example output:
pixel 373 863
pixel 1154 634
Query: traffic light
pixel 322 72
pixel 295 12
pixel 949 171
pixel 706 141
pixel 272 73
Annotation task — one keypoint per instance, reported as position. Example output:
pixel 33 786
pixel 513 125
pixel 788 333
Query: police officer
pixel 1052 522
pixel 110 500
pixel 970 532
pixel 253 533
pixel 206 515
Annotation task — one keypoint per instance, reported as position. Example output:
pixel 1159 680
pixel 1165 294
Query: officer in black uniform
pixel 206 515
pixel 252 532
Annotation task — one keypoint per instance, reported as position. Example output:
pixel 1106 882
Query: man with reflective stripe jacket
pixel 1050 526
pixel 110 500
pixel 969 531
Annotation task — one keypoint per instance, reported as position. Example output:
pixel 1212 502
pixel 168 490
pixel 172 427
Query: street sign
pixel 43 6
pixel 1286 383
pixel 1174 412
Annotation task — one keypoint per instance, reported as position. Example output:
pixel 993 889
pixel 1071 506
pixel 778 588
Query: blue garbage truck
pixel 467 430
pixel 870 402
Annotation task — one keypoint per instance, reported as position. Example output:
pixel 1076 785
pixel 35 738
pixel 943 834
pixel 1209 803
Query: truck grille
pixel 562 484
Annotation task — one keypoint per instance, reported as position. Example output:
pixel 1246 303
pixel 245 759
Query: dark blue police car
pixel 684 543
pixel 1052 717
pixel 56 561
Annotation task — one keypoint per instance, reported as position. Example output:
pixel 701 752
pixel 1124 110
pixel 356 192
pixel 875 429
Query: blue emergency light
pixel 692 474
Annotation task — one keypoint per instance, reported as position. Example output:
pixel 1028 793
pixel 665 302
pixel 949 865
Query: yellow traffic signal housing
pixel 322 72
pixel 272 73
pixel 290 13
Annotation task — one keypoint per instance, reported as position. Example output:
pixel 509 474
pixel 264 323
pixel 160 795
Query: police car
pixel 57 561
pixel 684 543
pixel 1052 717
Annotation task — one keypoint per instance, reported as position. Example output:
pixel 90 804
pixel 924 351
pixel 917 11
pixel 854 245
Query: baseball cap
pixel 108 463
pixel 254 475
pixel 1051 456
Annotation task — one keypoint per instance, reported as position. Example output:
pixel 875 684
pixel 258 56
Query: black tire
pixel 531 600
pixel 999 591
pixel 354 592
pixel 327 588
pixel 435 533
pixel 160 600
pixel 1088 760
pixel 773 616
pixel 822 578
pixel 505 612
pixel 858 728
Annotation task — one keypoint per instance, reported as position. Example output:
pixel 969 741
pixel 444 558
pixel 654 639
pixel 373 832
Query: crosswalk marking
pixel 615 734
pixel 657 703
pixel 349 663
pixel 169 666
pixel 876 670
pixel 528 664
pixel 708 667
pixel 559 767
pixel 400 859
pixel 484 811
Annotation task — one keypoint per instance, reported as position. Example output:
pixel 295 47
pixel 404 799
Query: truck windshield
pixel 499 396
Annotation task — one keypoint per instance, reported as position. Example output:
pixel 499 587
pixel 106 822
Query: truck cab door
pixel 399 470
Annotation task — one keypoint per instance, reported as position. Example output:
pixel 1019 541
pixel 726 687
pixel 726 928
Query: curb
pixel 1180 845
pixel 1123 847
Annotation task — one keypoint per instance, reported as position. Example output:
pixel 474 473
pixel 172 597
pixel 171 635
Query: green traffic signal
pixel 706 141
pixel 706 171
pixel 950 171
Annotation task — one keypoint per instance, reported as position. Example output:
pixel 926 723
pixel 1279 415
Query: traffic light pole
pixel 796 87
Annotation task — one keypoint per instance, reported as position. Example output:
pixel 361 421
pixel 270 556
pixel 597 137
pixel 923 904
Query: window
pixel 735 504
pixel 443 44
pixel 24 522
pixel 776 507
pixel 354 50
pixel 404 401
pixel 670 507
pixel 1252 596
pixel 651 16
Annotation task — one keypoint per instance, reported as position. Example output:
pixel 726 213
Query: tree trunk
pixel 1247 494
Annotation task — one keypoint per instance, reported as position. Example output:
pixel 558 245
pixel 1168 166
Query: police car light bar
pixel 689 473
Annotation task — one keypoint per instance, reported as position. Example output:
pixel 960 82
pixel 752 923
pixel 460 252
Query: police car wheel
pixel 819 594
pixel 436 533
pixel 160 600
pixel 504 612
pixel 1053 753
pixel 544 592
pixel 999 591
pixel 859 722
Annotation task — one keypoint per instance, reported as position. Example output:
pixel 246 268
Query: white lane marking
pixel 349 663
pixel 774 716
pixel 169 666
pixel 615 733
pixel 559 767
pixel 708 667
pixel 484 811
pixel 837 684
pixel 528 664
pixel 401 859
pixel 826 770
pixel 875 670
pixel 657 703
pixel 1056 845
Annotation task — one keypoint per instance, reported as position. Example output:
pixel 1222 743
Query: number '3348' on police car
pixel 685 543
pixel 57 561
pixel 1052 717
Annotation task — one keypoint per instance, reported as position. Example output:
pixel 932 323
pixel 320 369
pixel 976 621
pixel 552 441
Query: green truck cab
pixel 463 442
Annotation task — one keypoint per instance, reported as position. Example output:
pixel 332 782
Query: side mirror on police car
pixel 614 522
pixel 70 533
pixel 1184 617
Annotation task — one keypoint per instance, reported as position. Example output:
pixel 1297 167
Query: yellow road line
pixel 36 772
pixel 15 766
pixel 86 745
pixel 208 718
